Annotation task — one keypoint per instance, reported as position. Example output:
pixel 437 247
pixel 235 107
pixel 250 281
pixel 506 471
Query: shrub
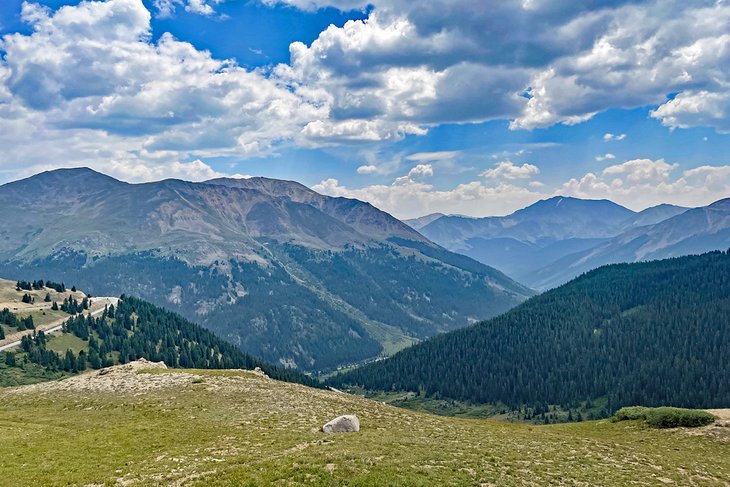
pixel 665 417
pixel 630 414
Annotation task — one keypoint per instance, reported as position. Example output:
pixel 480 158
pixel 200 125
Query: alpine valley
pixel 287 274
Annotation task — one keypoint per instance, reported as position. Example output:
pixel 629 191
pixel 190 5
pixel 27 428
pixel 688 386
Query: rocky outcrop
pixel 343 424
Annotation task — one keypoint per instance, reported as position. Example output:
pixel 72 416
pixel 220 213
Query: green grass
pixel 235 428
pixel 44 317
pixel 60 342
pixel 25 374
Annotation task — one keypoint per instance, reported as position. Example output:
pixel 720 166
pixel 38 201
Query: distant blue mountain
pixel 541 234
pixel 691 232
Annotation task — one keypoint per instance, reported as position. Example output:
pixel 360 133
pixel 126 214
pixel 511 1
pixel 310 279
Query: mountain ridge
pixel 253 260
pixel 526 243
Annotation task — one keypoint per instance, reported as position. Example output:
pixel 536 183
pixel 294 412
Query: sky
pixel 455 106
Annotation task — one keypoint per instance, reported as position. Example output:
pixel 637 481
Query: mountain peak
pixel 567 205
pixel 68 180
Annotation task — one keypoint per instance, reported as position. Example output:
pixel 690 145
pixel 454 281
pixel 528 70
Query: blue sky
pixel 456 106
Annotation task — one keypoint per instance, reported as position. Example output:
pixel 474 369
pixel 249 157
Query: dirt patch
pixel 723 414
pixel 119 378
pixel 719 430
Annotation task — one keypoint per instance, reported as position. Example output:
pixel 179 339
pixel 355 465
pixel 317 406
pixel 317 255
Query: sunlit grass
pixel 235 428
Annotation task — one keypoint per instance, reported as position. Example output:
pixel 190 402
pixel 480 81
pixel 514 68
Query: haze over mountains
pixel 554 240
pixel 285 273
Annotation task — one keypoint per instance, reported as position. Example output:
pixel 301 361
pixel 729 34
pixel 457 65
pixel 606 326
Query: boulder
pixel 343 424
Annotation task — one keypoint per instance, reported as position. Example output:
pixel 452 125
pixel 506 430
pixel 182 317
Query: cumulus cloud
pixel 694 108
pixel 609 136
pixel 437 63
pixel 637 184
pixel 89 85
pixel 509 170
pixel 417 198
pixel 641 183
pixel 419 172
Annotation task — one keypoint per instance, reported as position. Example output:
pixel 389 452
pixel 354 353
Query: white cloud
pixel 638 184
pixel 508 170
pixel 605 157
pixel 166 8
pixel 437 63
pixel 420 171
pixel 637 170
pixel 696 108
pixel 416 199
pixel 367 169
pixel 641 183
pixel 433 156
pixel 609 136
pixel 89 85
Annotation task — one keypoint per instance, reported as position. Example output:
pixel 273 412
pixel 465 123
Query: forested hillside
pixel 654 333
pixel 132 330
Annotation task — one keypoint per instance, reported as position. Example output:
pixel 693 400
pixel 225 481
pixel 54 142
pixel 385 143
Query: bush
pixel 665 417
pixel 630 414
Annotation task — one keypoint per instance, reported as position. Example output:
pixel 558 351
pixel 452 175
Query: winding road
pixel 57 325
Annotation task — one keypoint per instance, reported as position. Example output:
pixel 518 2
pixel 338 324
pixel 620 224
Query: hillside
pixel 282 272
pixel 117 331
pixel 691 232
pixel 536 237
pixel 44 309
pixel 652 333
pixel 125 427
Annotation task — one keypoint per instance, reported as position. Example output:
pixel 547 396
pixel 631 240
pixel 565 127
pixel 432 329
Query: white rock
pixel 343 424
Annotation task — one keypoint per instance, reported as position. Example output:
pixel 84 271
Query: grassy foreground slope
pixel 193 427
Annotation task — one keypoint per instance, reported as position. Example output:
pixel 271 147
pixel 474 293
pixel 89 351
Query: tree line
pixel 40 285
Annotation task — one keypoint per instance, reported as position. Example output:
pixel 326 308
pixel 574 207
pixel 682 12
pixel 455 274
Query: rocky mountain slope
pixel 535 237
pixel 285 273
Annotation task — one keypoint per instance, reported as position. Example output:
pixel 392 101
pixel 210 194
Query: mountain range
pixel 554 240
pixel 283 272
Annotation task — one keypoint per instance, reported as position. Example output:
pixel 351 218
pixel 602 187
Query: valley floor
pixel 142 425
